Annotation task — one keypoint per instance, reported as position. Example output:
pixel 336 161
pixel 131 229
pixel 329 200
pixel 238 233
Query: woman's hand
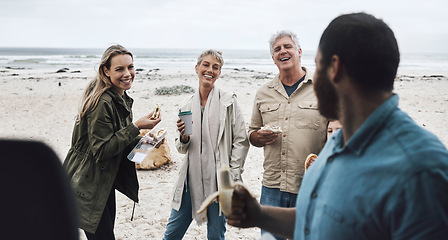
pixel 181 129
pixel 147 122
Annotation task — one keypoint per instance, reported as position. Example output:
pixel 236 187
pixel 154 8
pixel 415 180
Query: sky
pixel 419 26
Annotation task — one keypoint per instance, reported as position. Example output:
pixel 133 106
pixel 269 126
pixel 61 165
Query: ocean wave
pixel 85 56
pixel 29 60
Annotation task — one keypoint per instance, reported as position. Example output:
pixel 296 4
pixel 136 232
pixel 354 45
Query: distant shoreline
pixel 257 60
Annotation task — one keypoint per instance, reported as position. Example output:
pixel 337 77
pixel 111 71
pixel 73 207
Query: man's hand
pixel 261 138
pixel 267 137
pixel 245 209
pixel 247 212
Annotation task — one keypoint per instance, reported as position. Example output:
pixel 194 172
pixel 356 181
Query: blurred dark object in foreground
pixel 37 201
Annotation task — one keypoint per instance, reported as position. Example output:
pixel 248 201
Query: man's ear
pixel 335 70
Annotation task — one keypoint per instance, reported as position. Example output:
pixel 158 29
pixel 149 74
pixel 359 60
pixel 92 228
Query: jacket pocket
pixel 83 180
pixel 308 115
pixel 342 225
pixel 308 105
pixel 345 219
pixel 270 112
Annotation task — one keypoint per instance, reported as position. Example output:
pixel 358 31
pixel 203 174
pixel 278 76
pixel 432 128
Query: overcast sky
pixel 420 26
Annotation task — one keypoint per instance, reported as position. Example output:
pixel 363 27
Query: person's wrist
pixel 135 125
pixel 185 138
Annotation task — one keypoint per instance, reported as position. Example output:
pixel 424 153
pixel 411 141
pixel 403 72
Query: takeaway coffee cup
pixel 186 118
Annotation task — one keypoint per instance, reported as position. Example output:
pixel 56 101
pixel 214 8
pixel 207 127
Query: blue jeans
pixel 179 221
pixel 277 198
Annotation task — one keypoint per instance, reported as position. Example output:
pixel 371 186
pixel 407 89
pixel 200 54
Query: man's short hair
pixel 280 34
pixel 367 48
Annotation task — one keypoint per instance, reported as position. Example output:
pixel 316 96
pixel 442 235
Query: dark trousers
pixel 105 230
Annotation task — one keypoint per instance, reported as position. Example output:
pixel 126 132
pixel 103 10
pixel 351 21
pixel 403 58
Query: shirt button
pixel 283 153
pixel 289 102
pixel 314 195
pixel 330 159
pixel 307 231
pixel 286 119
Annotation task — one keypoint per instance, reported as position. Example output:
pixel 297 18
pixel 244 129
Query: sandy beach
pixel 41 105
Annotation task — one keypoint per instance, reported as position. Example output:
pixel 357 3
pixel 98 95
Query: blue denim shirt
pixel 390 181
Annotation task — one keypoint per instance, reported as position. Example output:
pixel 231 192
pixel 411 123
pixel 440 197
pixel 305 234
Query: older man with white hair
pixel 289 103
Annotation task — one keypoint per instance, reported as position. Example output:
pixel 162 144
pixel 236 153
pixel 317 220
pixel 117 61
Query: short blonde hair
pixel 215 53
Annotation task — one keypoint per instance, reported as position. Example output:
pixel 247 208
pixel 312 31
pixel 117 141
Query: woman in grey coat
pixel 219 138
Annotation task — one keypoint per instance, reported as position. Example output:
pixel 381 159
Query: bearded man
pixel 381 176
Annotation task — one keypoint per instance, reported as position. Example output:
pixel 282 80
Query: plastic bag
pixel 147 144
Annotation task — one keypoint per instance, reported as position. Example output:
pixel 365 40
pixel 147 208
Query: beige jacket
pixel 232 149
pixel 303 128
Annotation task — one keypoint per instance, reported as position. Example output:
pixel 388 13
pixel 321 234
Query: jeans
pixel 277 198
pixel 179 221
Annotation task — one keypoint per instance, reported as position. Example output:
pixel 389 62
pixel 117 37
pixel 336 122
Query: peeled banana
pixel 224 195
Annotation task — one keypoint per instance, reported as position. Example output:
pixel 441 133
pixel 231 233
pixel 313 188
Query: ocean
pixel 257 60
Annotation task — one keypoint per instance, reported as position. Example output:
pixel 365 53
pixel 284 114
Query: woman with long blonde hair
pixel 102 137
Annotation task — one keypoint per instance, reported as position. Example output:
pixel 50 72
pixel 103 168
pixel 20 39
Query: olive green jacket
pixel 96 162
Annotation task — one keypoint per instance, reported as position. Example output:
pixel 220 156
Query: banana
pixel 310 159
pixel 224 195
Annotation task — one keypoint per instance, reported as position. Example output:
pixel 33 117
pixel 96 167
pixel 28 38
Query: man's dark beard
pixel 326 96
